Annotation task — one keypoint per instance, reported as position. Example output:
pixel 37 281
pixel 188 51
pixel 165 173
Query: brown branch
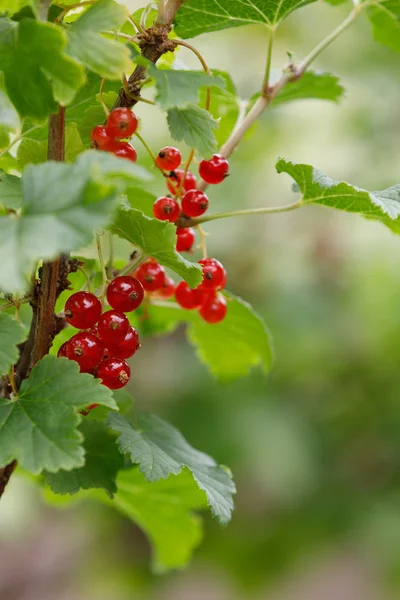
pixel 5 475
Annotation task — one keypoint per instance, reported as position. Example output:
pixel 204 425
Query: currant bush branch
pixel 245 212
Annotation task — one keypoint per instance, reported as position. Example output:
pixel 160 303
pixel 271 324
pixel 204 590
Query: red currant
pixel 62 351
pixel 194 203
pixel 100 137
pixel 82 310
pixel 127 346
pixel 168 289
pixel 214 170
pixel 175 179
pixel 151 275
pixel 122 150
pixel 113 326
pixel 214 309
pixel 114 373
pixel 184 239
pixel 125 293
pixel 169 158
pixel 188 298
pixel 214 274
pixel 121 123
pixel 166 209
pixel 85 349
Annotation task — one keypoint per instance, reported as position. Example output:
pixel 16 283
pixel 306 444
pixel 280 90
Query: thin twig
pixel 203 64
pixel 245 212
pixel 71 7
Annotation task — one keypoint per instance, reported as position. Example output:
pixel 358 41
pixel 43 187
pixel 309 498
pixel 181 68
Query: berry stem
pixel 135 24
pixel 103 267
pixel 203 243
pixel 71 7
pixel 245 212
pixel 110 264
pixel 186 169
pixel 145 144
pixel 103 104
pixel 16 303
pixel 125 85
pixel 88 285
pixel 179 42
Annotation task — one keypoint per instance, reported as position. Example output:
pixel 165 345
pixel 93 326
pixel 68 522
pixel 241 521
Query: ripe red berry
pixel 121 123
pixel 100 137
pixel 194 203
pixel 82 310
pixel 127 346
pixel 214 274
pixel 166 209
pixel 169 158
pixel 168 289
pixel 214 170
pixel 62 351
pixel 188 298
pixel 151 275
pixel 175 179
pixel 125 293
pixel 113 326
pixel 85 349
pixel 184 239
pixel 214 309
pixel 114 373
pixel 122 150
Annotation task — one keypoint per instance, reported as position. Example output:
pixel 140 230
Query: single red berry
pixel 214 274
pixel 151 275
pixel 114 373
pixel 214 309
pixel 168 289
pixel 113 326
pixel 194 203
pixel 82 310
pixel 166 209
pixel 121 123
pixel 169 158
pixel 184 239
pixel 85 349
pixel 188 298
pixel 214 170
pixel 127 346
pixel 125 293
pixel 122 150
pixel 175 179
pixel 62 351
pixel 100 137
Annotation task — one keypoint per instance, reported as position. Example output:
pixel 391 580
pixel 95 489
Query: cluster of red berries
pixel 121 124
pixel 108 339
pixel 194 203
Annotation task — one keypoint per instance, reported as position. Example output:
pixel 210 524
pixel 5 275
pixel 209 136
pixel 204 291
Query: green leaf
pixel 201 16
pixel 106 57
pixel 141 200
pixel 39 427
pixel 102 463
pixel 37 72
pixel 164 510
pixel 385 20
pixel 157 239
pixel 86 193
pixel 10 190
pixel 318 188
pixel 231 348
pixel 322 86
pixel 11 334
pixel 194 126
pixel 224 106
pixel 9 120
pixel 160 450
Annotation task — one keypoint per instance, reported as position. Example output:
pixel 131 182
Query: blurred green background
pixel 315 447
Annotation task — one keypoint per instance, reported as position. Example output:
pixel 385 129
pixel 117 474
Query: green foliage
pixel 318 188
pixel 39 427
pixel 195 126
pixel 86 191
pixel 156 239
pixel 11 334
pixel 10 190
pixel 202 16
pixel 385 21
pixel 164 510
pixel 102 463
pixel 224 106
pixel 37 71
pixel 9 120
pixel 31 151
pixel 160 451
pixel 106 57
pixel 321 86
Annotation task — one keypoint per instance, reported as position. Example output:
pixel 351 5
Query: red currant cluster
pixel 108 339
pixel 121 123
